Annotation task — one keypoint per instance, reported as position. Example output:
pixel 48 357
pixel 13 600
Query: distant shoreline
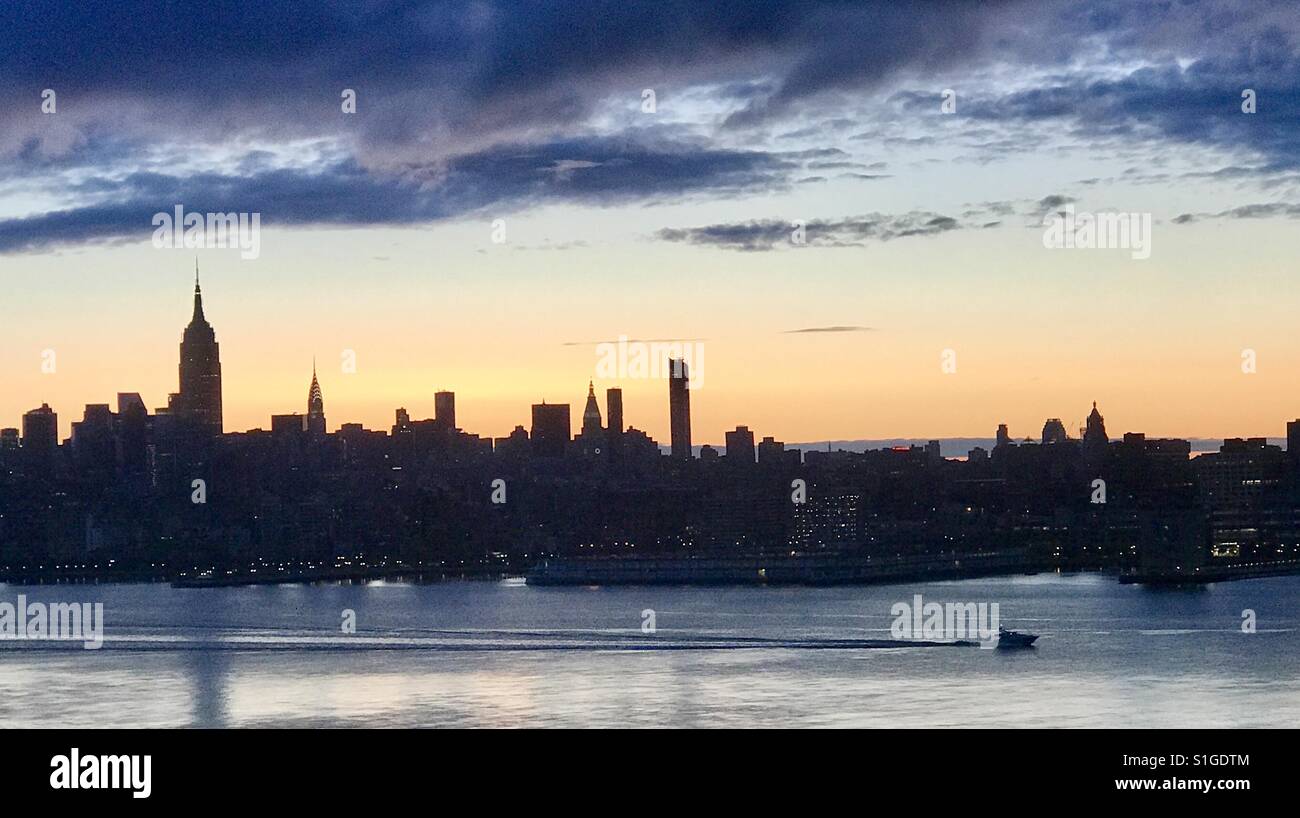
pixel 670 571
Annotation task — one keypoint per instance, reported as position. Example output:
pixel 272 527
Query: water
pixel 505 655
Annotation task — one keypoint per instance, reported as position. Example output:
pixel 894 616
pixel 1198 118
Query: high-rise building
pixel 740 446
pixel 444 410
pixel 1094 433
pixel 292 425
pixel 93 445
pixel 614 410
pixel 591 423
pixel 41 436
pixel 550 432
pixel 315 407
pixel 132 433
pixel 679 408
pixel 1004 436
pixel 199 400
pixel 771 452
pixel 933 451
pixel 1054 431
pixel 1293 439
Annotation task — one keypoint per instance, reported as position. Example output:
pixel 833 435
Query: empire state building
pixel 199 399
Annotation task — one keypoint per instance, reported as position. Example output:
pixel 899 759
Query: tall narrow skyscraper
pixel 679 408
pixel 614 408
pixel 199 399
pixel 315 407
pixel 444 410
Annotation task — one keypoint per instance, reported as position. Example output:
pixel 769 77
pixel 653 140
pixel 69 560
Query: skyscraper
pixel 679 408
pixel 1095 438
pixel 591 422
pixel 199 399
pixel 444 410
pixel 132 433
pixel 614 410
pixel 740 446
pixel 550 433
pixel 315 407
pixel 41 437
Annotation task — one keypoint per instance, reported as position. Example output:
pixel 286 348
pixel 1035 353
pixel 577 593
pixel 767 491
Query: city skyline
pixel 676 440
pixel 609 363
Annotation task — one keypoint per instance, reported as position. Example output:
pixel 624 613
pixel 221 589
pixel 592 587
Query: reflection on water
pixel 504 654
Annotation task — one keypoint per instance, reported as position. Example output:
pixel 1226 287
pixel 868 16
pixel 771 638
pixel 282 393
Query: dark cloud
pixel 836 328
pixel 1268 210
pixel 465 105
pixel 503 178
pixel 445 75
pixel 761 235
pixel 1155 105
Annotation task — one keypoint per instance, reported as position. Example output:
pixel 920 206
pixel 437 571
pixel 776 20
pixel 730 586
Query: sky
pixel 838 207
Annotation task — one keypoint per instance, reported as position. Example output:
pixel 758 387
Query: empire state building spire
pixel 197 318
pixel 199 399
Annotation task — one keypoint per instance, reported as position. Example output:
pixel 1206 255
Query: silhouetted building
pixel 771 452
pixel 550 432
pixel 679 408
pixel 592 426
pixel 444 409
pixel 401 420
pixel 591 438
pixel 1095 438
pixel 9 440
pixel 1054 431
pixel 132 433
pixel 41 437
pixel 514 446
pixel 199 400
pixel 290 425
pixel 614 409
pixel 1293 439
pixel 94 447
pixel 740 446
pixel 1095 431
pixel 315 408
pixel 1004 436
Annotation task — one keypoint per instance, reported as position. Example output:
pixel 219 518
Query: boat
pixel 1015 639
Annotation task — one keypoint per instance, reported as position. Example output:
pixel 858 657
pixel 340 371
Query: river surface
pixel 501 654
